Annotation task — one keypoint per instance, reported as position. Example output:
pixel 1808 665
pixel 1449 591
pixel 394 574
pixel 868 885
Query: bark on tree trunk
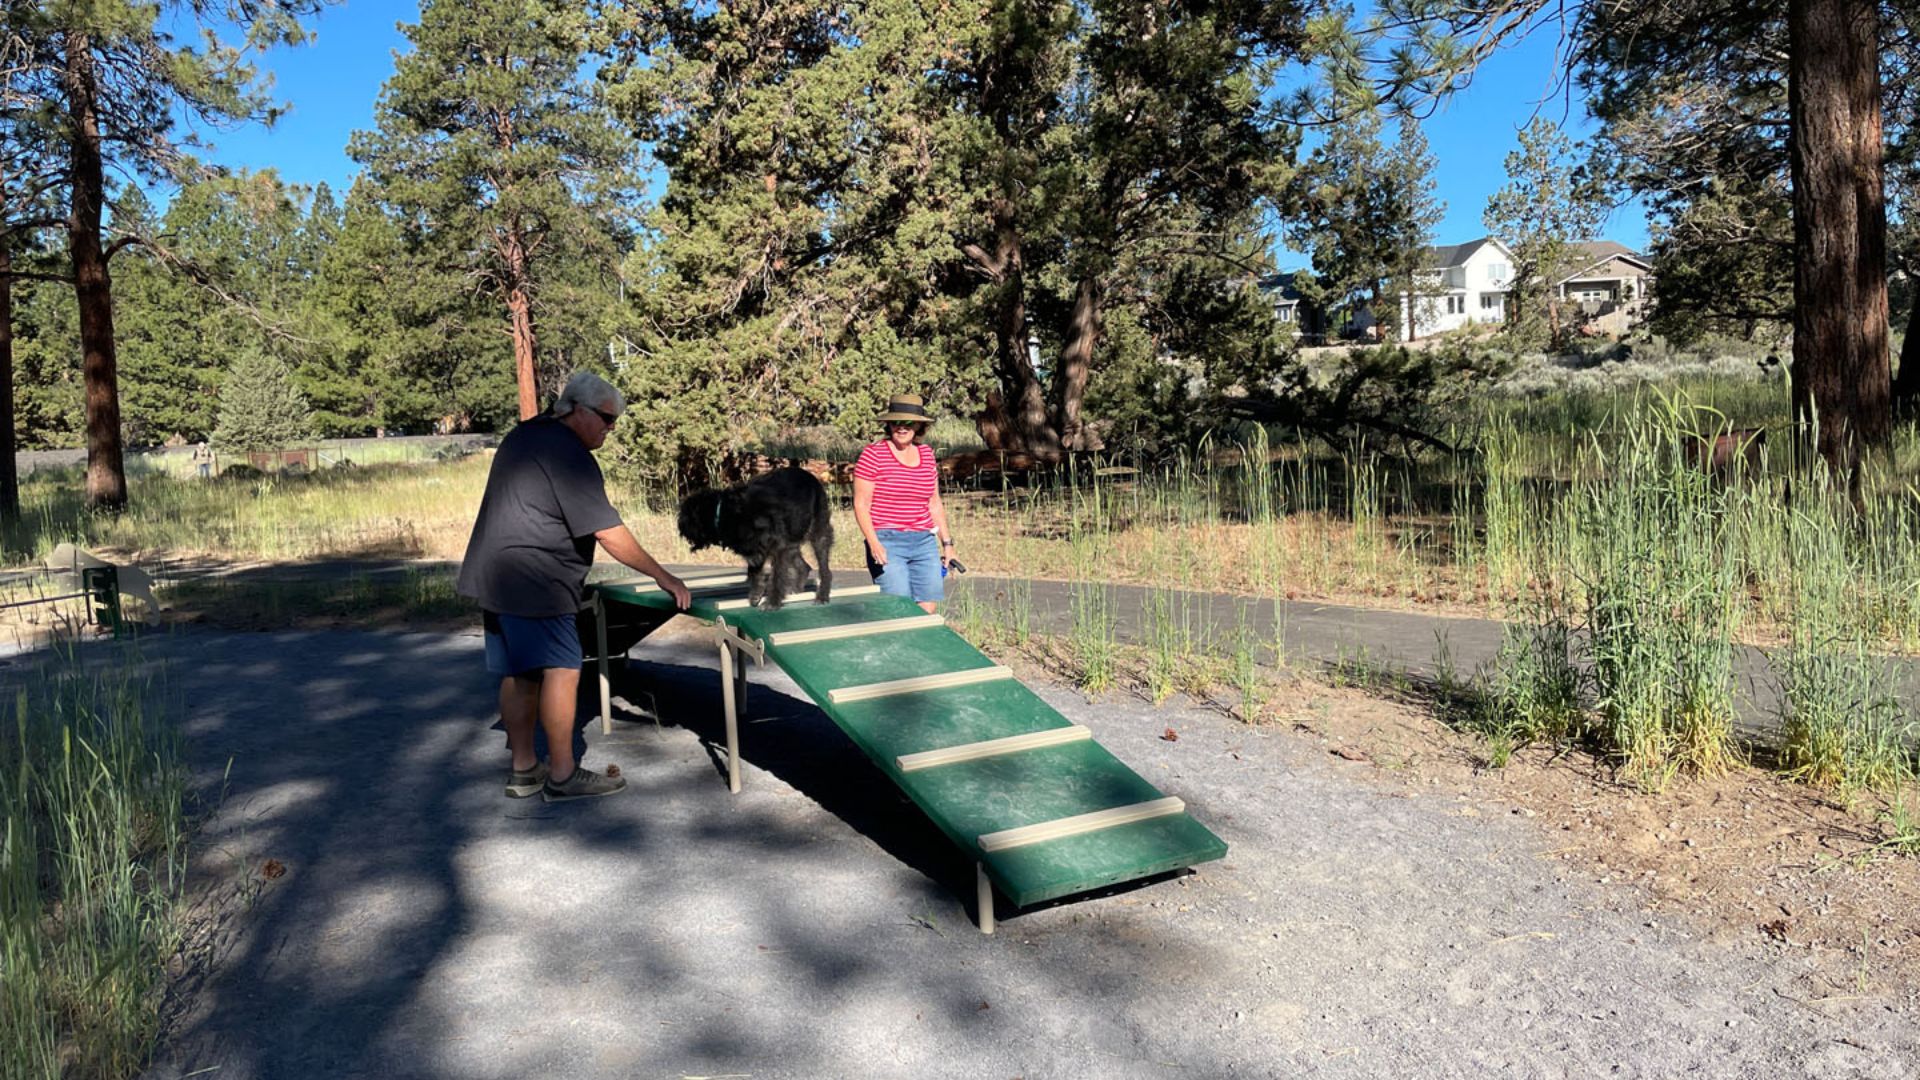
pixel 513 250
pixel 93 289
pixel 1076 365
pixel 1840 376
pixel 9 475
pixel 520 311
pixel 1018 419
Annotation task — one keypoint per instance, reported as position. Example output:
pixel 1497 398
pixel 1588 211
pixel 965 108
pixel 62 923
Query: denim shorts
pixel 518 645
pixel 913 565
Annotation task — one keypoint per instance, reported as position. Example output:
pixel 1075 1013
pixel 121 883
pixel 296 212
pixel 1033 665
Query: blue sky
pixel 331 85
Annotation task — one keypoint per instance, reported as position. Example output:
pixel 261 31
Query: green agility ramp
pixel 1044 810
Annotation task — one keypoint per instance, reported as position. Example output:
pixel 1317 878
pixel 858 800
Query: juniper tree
pixel 1362 210
pixel 1545 207
pixel 801 263
pixel 881 193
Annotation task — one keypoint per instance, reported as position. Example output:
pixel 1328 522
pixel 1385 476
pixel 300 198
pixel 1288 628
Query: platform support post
pixel 600 647
pixel 985 901
pixel 729 695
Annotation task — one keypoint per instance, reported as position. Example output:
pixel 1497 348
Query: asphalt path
pixel 1314 636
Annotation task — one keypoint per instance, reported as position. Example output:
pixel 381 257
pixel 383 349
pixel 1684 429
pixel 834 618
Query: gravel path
pixel 812 926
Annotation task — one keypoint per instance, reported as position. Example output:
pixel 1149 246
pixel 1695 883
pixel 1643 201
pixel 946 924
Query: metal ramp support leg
pixel 600 641
pixel 984 888
pixel 728 694
pixel 734 651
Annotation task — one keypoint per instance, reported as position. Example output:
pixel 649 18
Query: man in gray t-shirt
pixel 544 510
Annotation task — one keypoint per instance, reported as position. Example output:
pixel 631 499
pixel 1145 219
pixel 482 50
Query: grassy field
pixel 1585 517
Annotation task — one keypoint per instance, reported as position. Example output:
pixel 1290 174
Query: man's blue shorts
pixel 913 565
pixel 517 645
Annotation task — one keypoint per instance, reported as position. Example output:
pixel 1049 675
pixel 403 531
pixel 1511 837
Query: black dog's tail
pixel 821 540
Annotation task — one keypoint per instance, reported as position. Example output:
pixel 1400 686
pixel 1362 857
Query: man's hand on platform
pixel 676 588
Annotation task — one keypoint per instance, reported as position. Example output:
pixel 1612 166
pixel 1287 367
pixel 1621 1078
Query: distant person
pixel 896 502
pixel 544 509
pixel 203 459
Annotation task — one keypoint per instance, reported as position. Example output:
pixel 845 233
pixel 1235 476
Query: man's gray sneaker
pixel 583 784
pixel 521 784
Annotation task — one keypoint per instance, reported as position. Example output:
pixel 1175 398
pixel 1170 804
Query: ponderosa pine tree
pixel 31 174
pixel 109 85
pixel 494 151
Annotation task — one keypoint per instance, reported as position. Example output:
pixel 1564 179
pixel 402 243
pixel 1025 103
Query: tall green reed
pixel 1660 601
pixel 92 836
pixel 1842 724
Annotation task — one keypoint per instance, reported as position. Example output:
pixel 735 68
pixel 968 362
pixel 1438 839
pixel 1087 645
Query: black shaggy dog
pixel 766 520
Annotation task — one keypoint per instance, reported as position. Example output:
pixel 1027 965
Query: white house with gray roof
pixel 1600 283
pixel 1458 286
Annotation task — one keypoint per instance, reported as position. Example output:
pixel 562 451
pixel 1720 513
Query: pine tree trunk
pixel 93 289
pixel 9 442
pixel 520 310
pixel 1076 366
pixel 1840 376
pixel 513 251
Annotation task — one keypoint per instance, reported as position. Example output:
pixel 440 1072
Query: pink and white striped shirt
pixel 902 495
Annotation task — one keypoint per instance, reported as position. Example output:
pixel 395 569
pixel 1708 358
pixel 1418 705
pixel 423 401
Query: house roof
pixel 1280 288
pixel 1582 256
pixel 1442 258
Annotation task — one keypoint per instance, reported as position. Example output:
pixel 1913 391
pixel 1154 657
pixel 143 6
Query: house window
pixel 1285 314
pixel 1489 301
pixel 1456 305
pixel 1497 272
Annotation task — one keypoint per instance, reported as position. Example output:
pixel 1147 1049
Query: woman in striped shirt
pixel 896 500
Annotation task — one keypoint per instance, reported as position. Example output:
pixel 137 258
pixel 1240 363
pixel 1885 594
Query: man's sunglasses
pixel 607 417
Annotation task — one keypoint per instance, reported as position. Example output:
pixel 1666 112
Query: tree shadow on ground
pixel 795 742
pixel 373 905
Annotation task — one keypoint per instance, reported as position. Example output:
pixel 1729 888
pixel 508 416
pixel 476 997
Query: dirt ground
pixel 1744 855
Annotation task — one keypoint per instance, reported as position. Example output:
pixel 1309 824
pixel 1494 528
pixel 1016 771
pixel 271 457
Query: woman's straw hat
pixel 906 407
